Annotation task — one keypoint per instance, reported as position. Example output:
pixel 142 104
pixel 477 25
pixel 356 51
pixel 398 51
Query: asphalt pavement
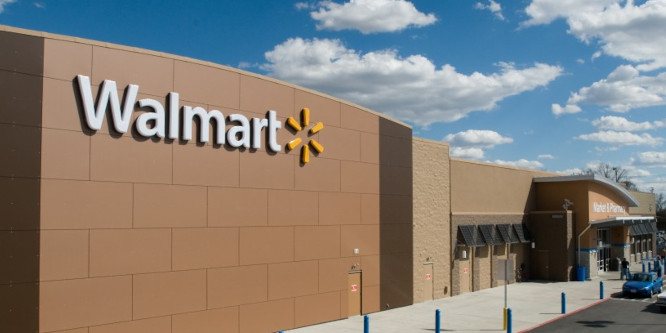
pixel 532 304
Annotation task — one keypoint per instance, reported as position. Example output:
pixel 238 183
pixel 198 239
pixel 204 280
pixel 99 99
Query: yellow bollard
pixel 504 327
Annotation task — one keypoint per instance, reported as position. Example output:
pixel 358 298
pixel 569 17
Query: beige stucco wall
pixel 646 204
pixel 431 217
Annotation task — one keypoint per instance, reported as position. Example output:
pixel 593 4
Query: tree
pixel 616 174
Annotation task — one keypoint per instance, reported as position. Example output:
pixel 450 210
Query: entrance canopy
pixel 639 225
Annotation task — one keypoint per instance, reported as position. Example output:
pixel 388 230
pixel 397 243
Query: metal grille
pixel 652 227
pixel 490 234
pixel 471 235
pixel 634 230
pixel 643 228
pixel 523 233
pixel 508 234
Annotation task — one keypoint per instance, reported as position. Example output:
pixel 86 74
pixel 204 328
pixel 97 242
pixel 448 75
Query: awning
pixel 522 232
pixel 470 235
pixel 508 234
pixel 619 221
pixel 490 234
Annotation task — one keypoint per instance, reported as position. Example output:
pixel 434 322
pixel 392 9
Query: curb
pixel 566 314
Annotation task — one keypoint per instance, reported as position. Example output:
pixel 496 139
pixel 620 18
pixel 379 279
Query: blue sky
pixel 557 85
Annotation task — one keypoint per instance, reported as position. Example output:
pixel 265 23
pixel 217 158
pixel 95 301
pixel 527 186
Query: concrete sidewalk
pixel 532 303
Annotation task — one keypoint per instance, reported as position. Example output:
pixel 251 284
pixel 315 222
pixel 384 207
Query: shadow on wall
pixel 20 171
pixel 395 207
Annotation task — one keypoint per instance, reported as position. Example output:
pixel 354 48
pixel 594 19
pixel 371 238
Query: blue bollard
pixel 508 320
pixel 366 324
pixel 564 302
pixel 649 266
pixel 438 323
pixel 601 289
pixel 643 266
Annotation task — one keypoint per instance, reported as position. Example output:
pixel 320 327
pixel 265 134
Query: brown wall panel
pixel 362 237
pixel 62 106
pixel 153 74
pixel 21 300
pixel 316 242
pixel 339 208
pixel 370 265
pixel 71 204
pixel 396 209
pixel 63 254
pixel 65 155
pixel 63 60
pixel 237 207
pixel 267 317
pixel 210 321
pixel 20 151
pixel 292 208
pixel 318 308
pixel 370 209
pixel 207 85
pixel 18 102
pixel 260 95
pixel 354 118
pixel 129 251
pixel 19 203
pixel 359 177
pixel 321 108
pixel 253 171
pixel 161 294
pixel 152 325
pixel 157 206
pixel 370 301
pixel 340 143
pixel 237 285
pixel 205 165
pixel 21 53
pixel 333 273
pixel 127 160
pixel 84 302
pixel 369 148
pixel 311 177
pixel 204 248
pixel 292 279
pixel 260 245
pixel 19 256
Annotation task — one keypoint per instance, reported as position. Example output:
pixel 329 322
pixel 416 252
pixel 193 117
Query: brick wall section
pixel 431 218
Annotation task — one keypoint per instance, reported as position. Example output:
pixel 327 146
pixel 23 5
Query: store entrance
pixel 603 249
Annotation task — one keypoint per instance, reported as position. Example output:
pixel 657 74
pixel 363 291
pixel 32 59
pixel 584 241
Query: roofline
pixel 613 186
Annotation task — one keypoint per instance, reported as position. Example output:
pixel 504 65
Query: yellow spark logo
pixel 305 122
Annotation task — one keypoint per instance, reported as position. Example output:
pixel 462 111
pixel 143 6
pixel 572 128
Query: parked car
pixel 642 284
pixel 661 302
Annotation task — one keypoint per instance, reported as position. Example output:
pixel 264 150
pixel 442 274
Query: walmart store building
pixel 146 192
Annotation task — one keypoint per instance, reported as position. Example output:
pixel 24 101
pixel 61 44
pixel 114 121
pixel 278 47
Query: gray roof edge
pixel 632 202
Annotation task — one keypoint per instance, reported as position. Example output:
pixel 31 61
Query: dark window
pixel 470 235
pixel 507 233
pixel 490 234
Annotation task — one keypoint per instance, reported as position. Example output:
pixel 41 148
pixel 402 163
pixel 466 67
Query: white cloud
pixel 4 3
pixel 559 110
pixel 521 163
pixel 40 5
pixel 572 171
pixel 470 143
pixel 302 6
pixel 623 29
pixel 622 124
pixel 493 7
pixel 595 55
pixel 624 89
pixel 653 158
pixel 580 61
pixel 370 16
pixel 546 157
pixel 622 138
pixel 412 88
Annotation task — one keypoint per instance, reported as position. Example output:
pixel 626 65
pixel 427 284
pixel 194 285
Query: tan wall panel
pixel 162 294
pixel 211 321
pixel 339 208
pixel 70 204
pixel 64 60
pixel 357 119
pixel 341 144
pixel 232 207
pixel 292 279
pixel 317 242
pixel 333 273
pixel 204 247
pixel 259 245
pixel 267 317
pixel 65 154
pixel 61 107
pixel 84 302
pixel 17 99
pixel 315 309
pixel 292 208
pixel 359 177
pixel 153 74
pixel 321 174
pixel 169 206
pixel 260 95
pixel 237 285
pixel 19 203
pixel 363 237
pixel 207 85
pixel 127 160
pixel 255 173
pixel 21 53
pixel 129 251
pixel 370 148
pixel 370 266
pixel 77 330
pixel 20 151
pixel 205 165
pixel 152 325
pixel 63 254
pixel 371 299
pixel 370 209
pixel 321 108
